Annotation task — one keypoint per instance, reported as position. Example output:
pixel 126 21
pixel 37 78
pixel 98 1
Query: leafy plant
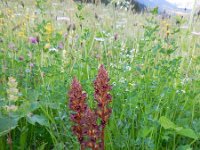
pixel 167 124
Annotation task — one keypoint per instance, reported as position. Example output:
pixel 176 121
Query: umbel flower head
pixel 12 90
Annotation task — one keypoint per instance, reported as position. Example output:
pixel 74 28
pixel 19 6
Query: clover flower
pixel 61 45
pixel 34 40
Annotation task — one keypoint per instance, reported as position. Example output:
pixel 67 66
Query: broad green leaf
pixel 166 123
pixel 27 108
pixel 37 119
pixel 188 133
pixel 144 132
pixel 7 124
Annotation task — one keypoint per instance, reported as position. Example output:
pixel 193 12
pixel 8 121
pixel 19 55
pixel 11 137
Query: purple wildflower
pixel 34 40
pixel 61 45
pixel 31 65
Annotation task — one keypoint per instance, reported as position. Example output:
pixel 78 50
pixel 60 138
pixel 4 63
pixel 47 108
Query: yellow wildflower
pixel 21 34
pixel 167 32
pixel 49 28
pixel 167 25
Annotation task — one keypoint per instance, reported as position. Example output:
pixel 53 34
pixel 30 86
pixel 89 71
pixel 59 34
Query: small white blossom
pixel 53 50
pixel 99 39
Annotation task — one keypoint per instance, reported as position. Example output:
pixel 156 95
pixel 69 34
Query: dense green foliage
pixel 153 65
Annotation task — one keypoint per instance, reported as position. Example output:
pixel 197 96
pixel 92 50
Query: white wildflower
pixel 53 50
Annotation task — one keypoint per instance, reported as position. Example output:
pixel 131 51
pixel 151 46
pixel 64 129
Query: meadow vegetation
pixel 153 63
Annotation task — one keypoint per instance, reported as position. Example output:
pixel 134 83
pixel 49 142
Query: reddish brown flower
pixel 91 130
pixel 89 133
pixel 77 104
pixel 102 96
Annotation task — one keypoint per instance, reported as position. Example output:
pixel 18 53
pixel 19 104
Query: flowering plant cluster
pixel 12 94
pixel 91 134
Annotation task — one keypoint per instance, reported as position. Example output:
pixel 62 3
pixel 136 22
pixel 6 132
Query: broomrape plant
pixel 91 134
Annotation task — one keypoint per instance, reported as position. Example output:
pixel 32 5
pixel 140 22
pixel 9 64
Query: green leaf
pixel 50 105
pixel 155 11
pixel 7 124
pixel 40 119
pixel 184 147
pixel 144 132
pixel 79 7
pixel 59 146
pixel 27 108
pixel 42 147
pixel 188 133
pixel 166 123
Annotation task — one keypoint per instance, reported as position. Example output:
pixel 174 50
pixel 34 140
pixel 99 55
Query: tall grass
pixel 153 66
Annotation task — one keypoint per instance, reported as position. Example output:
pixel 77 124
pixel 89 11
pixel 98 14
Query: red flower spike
pixel 91 129
pixel 89 133
pixel 103 98
pixel 78 105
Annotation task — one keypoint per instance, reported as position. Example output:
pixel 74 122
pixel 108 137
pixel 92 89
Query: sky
pixel 182 3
